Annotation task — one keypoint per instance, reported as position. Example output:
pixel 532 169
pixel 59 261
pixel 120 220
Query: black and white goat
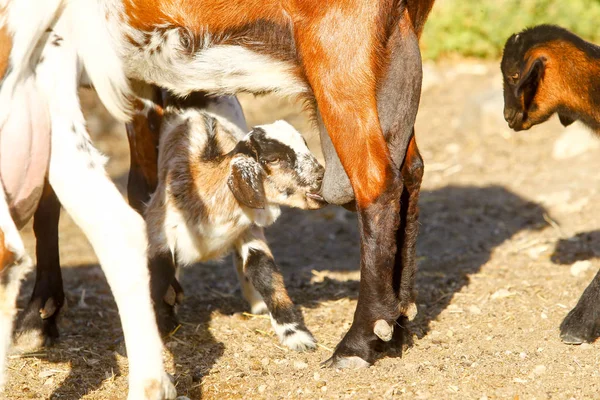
pixel 217 189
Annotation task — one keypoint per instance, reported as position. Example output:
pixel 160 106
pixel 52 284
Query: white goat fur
pixel 76 171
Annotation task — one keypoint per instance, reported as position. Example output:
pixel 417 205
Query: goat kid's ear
pixel 246 182
pixel 532 72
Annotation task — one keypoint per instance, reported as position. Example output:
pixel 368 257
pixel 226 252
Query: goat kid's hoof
pixel 295 337
pixel 384 330
pixel 342 362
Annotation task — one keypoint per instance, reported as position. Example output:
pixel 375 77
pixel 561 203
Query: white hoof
pixel 294 336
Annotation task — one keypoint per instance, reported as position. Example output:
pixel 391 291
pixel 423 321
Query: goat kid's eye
pixel 515 76
pixel 273 161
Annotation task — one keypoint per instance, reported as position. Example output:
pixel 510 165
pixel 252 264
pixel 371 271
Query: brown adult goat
pixel 548 70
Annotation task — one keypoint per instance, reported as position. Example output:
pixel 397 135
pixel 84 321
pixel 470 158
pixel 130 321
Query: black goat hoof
pixel 579 327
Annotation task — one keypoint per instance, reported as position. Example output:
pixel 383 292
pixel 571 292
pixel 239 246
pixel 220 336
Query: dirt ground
pixel 502 223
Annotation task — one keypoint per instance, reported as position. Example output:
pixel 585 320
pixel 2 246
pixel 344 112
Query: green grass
pixel 479 28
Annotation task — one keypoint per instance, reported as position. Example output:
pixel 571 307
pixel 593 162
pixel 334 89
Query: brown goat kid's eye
pixel 515 76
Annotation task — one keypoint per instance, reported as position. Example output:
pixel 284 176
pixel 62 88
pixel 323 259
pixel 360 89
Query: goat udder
pixel 25 151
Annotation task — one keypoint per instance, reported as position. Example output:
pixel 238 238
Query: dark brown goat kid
pixel 548 70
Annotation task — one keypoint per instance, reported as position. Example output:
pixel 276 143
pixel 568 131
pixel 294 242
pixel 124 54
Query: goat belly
pixel 25 151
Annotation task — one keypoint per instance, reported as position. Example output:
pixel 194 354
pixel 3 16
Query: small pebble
pixel 316 376
pixel 262 388
pixel 580 267
pixel 300 365
pixel 265 361
pixel 475 310
pixel 523 355
pixel 539 370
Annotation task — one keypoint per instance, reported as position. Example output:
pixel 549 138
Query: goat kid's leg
pixel 14 264
pixel 143 135
pixel 263 275
pixel 344 83
pixel 38 325
pixel 251 295
pixel 582 324
pixel 115 230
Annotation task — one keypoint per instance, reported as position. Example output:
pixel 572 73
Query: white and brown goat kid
pixel 218 188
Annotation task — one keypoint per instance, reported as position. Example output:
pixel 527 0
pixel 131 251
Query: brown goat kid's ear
pixel 531 74
pixel 246 182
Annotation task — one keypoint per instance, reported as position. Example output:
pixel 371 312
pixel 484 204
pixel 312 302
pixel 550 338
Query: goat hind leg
pixel 143 135
pixel 38 325
pixel 14 264
pixel 115 230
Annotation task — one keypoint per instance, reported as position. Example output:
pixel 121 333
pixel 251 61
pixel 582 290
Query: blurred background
pixel 475 28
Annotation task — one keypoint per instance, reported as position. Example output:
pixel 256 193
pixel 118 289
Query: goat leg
pixel 38 324
pixel 582 324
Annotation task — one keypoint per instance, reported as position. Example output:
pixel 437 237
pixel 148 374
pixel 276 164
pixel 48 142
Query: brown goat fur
pixel 550 70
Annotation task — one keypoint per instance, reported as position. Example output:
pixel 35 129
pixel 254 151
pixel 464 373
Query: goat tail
pixel 97 49
pixel 418 10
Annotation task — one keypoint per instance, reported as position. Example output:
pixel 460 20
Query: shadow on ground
pixel 460 228
pixel 582 246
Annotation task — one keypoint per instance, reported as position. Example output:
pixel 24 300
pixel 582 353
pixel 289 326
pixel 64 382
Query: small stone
pixel 539 370
pixel 585 346
pixel 171 345
pixel 501 294
pixel 474 310
pixel 320 384
pixel 316 376
pixel 450 333
pixel 544 315
pixel 324 389
pixel 265 361
pixel 300 365
pixel 523 355
pixel 580 267
pixel 262 388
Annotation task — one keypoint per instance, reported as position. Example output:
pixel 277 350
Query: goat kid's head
pixel 534 83
pixel 272 165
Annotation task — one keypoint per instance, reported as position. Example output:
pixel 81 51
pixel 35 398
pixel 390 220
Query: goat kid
pixel 347 57
pixel 49 73
pixel 217 189
pixel 548 70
